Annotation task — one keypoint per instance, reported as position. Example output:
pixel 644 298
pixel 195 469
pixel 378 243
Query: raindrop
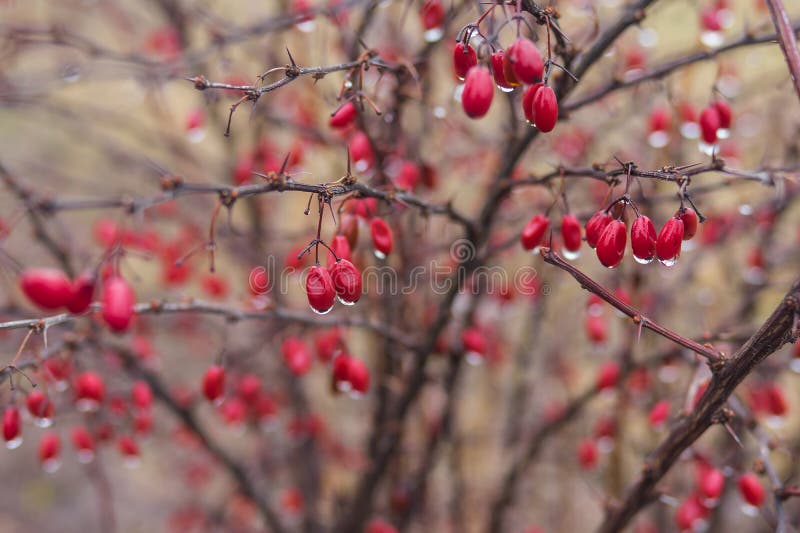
pixel 343 302
pixel 85 456
pixel 746 210
pixel 658 139
pixel 749 510
pixel 324 312
pixel 86 405
pixel 195 135
pixel 43 422
pixel 669 262
pixel 51 465
pixel 690 130
pixel 712 39
pixel 132 461
pixel 723 133
pixel 705 148
pixel 380 255
pixel 474 358
pixel 505 89
pixel 306 26
pixel 433 35
pixel 439 112
pixel 775 422
pixel 570 255
pixel 642 261
pixel 14 443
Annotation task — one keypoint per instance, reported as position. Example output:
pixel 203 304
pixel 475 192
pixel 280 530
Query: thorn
pixel 285 163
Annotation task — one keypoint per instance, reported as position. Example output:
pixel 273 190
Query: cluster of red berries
pixel 608 236
pixel 348 373
pixel 51 289
pixel 710 483
pixel 89 392
pixel 520 64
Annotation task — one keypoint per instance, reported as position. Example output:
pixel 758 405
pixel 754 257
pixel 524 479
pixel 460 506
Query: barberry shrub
pixel 400 265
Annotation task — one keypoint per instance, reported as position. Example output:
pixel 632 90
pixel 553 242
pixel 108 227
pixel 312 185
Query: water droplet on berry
pixel 343 302
pixel 705 148
pixel 658 139
pixel 323 312
pixel 14 443
pixel 746 210
pixel 474 358
pixel 749 510
pixel 87 405
pixel 379 254
pixel 570 255
pixel 131 461
pixel 648 37
pixel 51 465
pixel 642 261
pixel 505 89
pixel 690 130
pixel 433 35
pixel 775 422
pixel 306 26
pixel 723 133
pixel 712 39
pixel 43 422
pixel 85 456
pixel 668 262
pixel 439 112
pixel 195 135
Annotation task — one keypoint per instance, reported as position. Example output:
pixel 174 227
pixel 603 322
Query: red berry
pixel 611 244
pixel 668 244
pixel 643 239
pixel 359 375
pixel 382 238
pixel 709 19
pixel 527 101
pixel 344 116
pixel 12 426
pixel 659 413
pixel 214 285
pixel 545 109
pixel 607 375
pixel 464 58
pixel 473 341
pixel 688 513
pixel 376 525
pixel 526 61
pixel 496 62
pixel 596 329
pixel 595 227
pixel 709 124
pixel 328 343
pixel 776 402
pixel 710 482
pixel 90 390
pixel 660 119
pixel 320 289
pixel 689 218
pixel 49 288
pixel 249 388
pixel 571 233
pixel 533 232
pixel 81 293
pixel 83 442
pixel 340 372
pixel 117 303
pixel 141 395
pixel 588 454
pixel 476 98
pixel 128 447
pixel 296 356
pixel 751 489
pixel 347 281
pixel 361 151
pixel 39 405
pixel 214 383
pixel 49 449
pixel 258 281
pixel 724 112
pixel 341 247
pixel 349 228
pixel 432 14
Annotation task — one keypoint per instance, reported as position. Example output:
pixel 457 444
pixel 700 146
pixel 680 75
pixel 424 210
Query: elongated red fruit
pixel 643 239
pixel 347 281
pixel 341 247
pixel 533 232
pixel 595 226
pixel 319 289
pixel 725 113
pixel 344 116
pixel 571 233
pixel 49 288
pixel 527 102
pixel 751 489
pixel 117 302
pixel 12 426
pixel 526 61
pixel 668 244
pixel 464 58
pixel 496 61
pixel 611 244
pixel 214 383
pixel 689 218
pixel 382 238
pixel 709 124
pixel 296 355
pixel 476 98
pixel 81 293
pixel 545 109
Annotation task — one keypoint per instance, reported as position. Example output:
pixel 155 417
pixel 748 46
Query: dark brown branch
pixel 776 331
pixel 788 39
